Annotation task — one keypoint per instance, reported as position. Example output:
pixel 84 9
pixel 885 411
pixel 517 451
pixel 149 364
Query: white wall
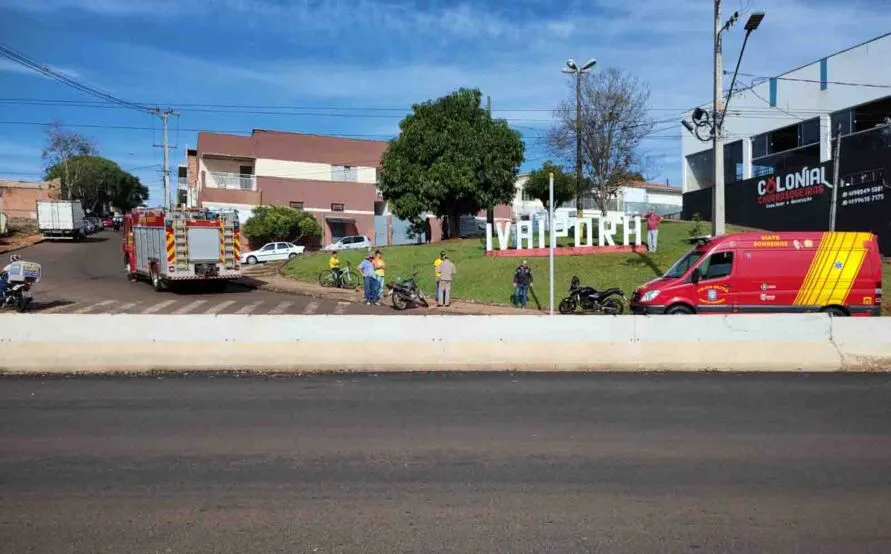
pixel 749 115
pixel 367 175
pixel 664 198
pixel 293 170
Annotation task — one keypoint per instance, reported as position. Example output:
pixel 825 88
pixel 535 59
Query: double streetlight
pixel 571 67
pixel 714 123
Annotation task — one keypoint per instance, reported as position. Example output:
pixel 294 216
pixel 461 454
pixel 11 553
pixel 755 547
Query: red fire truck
pixel 181 244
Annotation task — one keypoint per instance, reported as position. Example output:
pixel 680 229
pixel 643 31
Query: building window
pixel 809 132
pixel 868 116
pixel 842 118
pixel 699 170
pixel 759 145
pixel 733 166
pixel 246 169
pixel 336 207
pixel 296 205
pixel 346 173
pixel 783 139
pixel 784 162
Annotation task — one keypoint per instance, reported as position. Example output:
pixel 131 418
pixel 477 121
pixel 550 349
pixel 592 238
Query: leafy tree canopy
pixel 538 185
pixel 280 223
pixel 450 158
pixel 98 183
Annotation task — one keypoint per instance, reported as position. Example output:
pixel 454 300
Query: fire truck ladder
pixel 181 238
pixel 227 248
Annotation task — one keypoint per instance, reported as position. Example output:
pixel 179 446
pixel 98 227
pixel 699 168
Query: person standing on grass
pixel 522 280
pixel 653 220
pixel 447 271
pixel 380 269
pixel 436 273
pixel 366 268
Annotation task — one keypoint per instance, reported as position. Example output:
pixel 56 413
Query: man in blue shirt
pixel 366 268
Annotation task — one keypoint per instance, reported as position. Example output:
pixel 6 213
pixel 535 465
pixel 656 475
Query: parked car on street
pixel 271 252
pixel 350 243
pixel 107 222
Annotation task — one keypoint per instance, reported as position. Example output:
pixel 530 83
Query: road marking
pixel 158 307
pixel 280 309
pixel 311 308
pixel 189 307
pixel 124 307
pixel 89 308
pixel 341 308
pixel 219 307
pixel 249 308
pixel 57 308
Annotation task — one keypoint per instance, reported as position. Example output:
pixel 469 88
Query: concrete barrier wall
pixel 131 343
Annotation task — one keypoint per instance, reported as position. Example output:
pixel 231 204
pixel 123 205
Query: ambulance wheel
pixel 680 309
pixel 834 311
pixel 157 284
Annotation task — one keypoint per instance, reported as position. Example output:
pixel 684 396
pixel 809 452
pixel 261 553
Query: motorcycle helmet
pixel 575 282
pixel 14 258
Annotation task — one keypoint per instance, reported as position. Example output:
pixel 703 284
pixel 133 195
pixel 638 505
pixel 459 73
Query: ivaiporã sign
pixel 584 239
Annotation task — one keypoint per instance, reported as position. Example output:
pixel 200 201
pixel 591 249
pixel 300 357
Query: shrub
pixel 280 223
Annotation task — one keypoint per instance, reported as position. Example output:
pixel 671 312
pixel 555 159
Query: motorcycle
pixel 406 292
pixel 21 277
pixel 608 302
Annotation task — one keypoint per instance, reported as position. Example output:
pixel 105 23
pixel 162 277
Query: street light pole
pixel 718 227
pixel 571 67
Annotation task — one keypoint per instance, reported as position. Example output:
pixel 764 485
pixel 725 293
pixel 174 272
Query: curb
pixel 31 241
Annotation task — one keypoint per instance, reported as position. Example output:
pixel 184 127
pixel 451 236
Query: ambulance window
pixel 717 265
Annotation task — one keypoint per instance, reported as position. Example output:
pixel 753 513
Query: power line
pixel 21 59
pixel 816 81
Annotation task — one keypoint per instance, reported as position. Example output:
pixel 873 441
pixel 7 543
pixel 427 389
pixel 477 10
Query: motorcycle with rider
pixel 16 280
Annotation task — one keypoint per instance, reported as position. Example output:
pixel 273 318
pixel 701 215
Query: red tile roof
pixel 297 147
pixel 655 187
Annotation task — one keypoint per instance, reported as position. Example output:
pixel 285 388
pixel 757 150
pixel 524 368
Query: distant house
pixel 634 198
pixel 18 199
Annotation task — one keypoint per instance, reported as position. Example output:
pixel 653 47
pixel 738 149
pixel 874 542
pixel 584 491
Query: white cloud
pixel 10 66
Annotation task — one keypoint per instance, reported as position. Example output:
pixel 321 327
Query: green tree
pixel 280 223
pixel 539 184
pixel 98 183
pixel 450 158
pixel 61 147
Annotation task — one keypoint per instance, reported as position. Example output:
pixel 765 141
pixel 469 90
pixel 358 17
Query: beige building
pixel 18 199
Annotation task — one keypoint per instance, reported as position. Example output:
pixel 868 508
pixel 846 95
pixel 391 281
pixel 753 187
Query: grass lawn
pixel 488 279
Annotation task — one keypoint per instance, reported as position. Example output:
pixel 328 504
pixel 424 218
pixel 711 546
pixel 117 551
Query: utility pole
pixel 553 242
pixel 165 115
pixel 490 210
pixel 578 145
pixel 718 227
pixel 833 207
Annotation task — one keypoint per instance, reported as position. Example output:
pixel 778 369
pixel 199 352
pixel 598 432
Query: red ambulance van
pixel 786 272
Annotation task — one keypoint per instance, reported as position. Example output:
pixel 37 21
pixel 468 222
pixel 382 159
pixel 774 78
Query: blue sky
pixel 356 66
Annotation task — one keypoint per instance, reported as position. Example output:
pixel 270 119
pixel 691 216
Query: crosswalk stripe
pixel 219 307
pixel 341 308
pixel 158 307
pixel 280 309
pixel 124 307
pixel 311 308
pixel 57 308
pixel 249 308
pixel 189 307
pixel 89 308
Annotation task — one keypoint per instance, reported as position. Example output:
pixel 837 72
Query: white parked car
pixel 350 243
pixel 271 252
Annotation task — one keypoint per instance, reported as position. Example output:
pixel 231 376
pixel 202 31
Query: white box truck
pixel 61 219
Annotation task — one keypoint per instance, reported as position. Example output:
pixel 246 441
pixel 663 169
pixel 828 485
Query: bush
pixel 280 223
pixel 696 229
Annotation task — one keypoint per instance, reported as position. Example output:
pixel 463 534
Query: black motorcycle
pixel 17 295
pixel 406 293
pixel 590 300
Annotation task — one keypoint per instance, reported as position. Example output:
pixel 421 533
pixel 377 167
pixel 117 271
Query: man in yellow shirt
pixel 334 265
pixel 380 267
pixel 436 272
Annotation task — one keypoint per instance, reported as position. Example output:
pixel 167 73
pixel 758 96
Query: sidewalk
pixel 269 277
pixel 17 242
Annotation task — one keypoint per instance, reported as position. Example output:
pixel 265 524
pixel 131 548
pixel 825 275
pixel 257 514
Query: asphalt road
pixel 446 463
pixel 89 277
